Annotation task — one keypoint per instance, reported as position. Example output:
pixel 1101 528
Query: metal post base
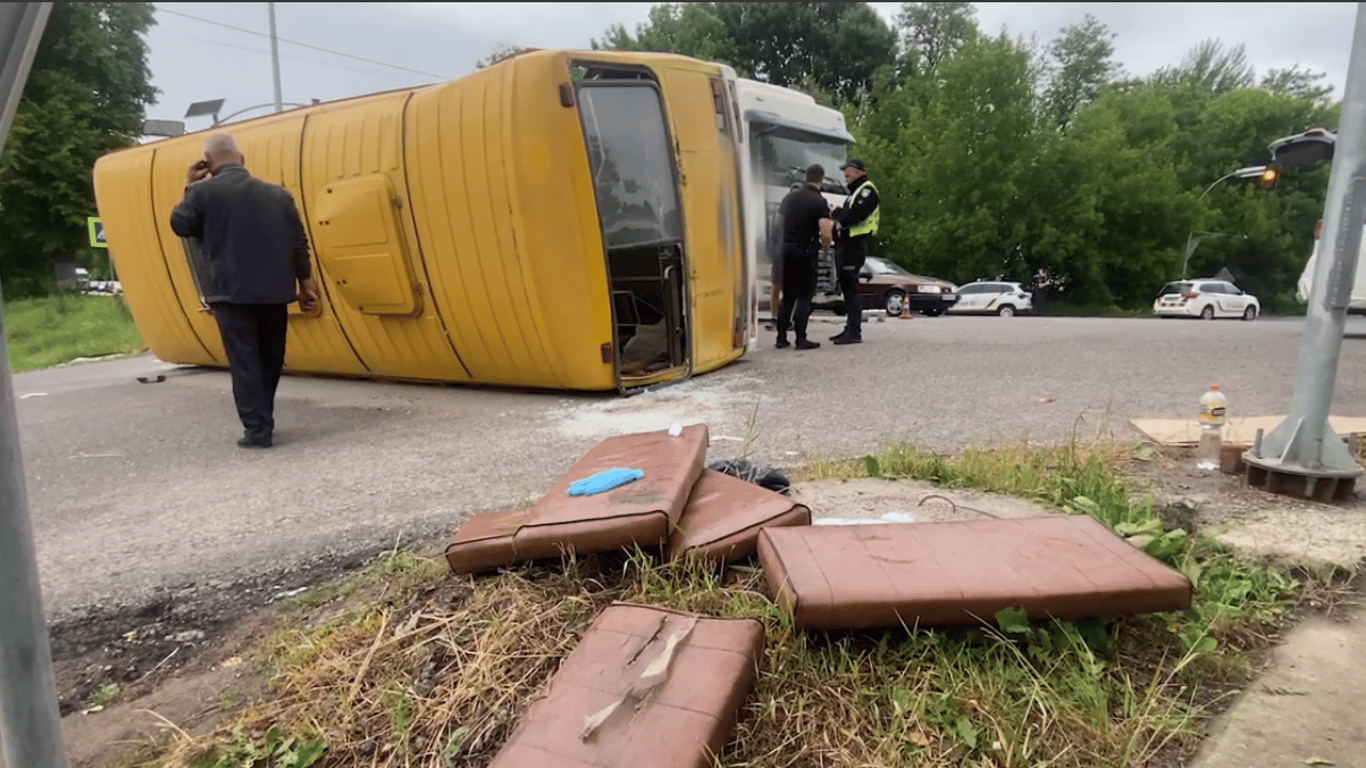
pixel 1321 467
pixel 1322 485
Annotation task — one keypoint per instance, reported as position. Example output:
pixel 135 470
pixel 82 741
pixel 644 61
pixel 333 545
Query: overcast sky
pixel 193 60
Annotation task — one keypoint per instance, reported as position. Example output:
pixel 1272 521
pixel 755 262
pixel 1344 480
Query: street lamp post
pixel 275 58
pixel 1191 241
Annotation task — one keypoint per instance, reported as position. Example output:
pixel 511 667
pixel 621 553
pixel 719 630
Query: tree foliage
pixel 835 47
pixel 997 157
pixel 86 95
pixel 500 51
pixel 1081 64
pixel 931 32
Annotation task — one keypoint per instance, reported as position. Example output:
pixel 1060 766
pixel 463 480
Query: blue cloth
pixel 605 480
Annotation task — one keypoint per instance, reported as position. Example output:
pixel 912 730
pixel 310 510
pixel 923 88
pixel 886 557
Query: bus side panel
pixel 556 223
pixel 315 343
pixel 466 156
pixel 360 144
pixel 712 213
pixel 123 191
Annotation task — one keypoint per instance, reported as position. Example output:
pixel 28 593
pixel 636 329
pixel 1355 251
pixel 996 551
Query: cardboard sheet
pixel 1239 430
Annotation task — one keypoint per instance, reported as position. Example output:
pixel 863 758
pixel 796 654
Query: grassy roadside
pixel 57 329
pixel 405 665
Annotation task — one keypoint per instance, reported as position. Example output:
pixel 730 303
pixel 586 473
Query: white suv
pixel 992 298
pixel 1205 299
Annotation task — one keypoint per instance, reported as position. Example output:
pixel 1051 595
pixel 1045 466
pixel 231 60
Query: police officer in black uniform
pixel 855 221
pixel 803 210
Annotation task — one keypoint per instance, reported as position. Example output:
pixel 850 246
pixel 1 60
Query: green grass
pixel 408 666
pixel 57 329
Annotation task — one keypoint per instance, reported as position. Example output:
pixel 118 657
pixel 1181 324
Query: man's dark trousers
pixel 799 286
pixel 254 338
pixel 850 260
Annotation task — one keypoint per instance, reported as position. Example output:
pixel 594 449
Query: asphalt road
pixel 136 489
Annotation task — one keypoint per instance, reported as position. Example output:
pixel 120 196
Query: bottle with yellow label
pixel 1213 414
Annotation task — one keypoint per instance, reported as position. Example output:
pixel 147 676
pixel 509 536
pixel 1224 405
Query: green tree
pixel 1297 82
pixel 832 47
pixel 954 172
pixel 691 29
pixel 1081 64
pixel 1212 67
pixel 932 32
pixel 85 96
pixel 1123 150
pixel 500 51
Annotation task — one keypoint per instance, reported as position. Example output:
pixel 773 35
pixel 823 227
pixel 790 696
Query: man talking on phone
pixel 256 249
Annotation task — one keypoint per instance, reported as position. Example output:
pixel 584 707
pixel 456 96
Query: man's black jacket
pixel 250 234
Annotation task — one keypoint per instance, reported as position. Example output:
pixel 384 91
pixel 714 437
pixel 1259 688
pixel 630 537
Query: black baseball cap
pixel 854 162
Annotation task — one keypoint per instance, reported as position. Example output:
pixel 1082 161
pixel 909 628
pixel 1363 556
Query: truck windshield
pixel 782 155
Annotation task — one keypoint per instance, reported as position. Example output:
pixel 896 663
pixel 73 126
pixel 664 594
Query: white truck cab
pixel 785 131
pixel 1357 304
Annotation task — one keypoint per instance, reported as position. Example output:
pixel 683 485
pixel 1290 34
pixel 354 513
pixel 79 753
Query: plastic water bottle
pixel 1213 412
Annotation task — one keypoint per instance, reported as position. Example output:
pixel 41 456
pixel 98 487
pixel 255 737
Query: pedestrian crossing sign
pixel 96 232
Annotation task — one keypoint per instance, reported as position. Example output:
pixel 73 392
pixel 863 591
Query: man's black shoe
pixel 807 344
pixel 254 442
pixel 783 343
pixel 848 340
pixel 838 336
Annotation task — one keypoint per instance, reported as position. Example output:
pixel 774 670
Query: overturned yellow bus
pixel 561 219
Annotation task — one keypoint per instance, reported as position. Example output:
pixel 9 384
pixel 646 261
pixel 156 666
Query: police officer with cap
pixel 855 221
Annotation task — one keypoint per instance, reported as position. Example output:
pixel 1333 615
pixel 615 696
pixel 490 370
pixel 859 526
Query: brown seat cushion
pixel 678 718
pixel 723 516
pixel 962 572
pixel 638 513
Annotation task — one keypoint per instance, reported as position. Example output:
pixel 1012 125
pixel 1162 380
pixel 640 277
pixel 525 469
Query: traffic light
pixel 1269 178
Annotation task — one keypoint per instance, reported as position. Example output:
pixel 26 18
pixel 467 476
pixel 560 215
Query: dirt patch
pixel 874 497
pixel 180 656
pixel 1323 538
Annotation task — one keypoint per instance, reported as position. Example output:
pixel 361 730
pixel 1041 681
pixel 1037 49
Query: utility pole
pixel 30 727
pixel 1302 456
pixel 275 59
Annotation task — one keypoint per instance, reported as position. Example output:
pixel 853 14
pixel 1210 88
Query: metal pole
pixel 30 727
pixel 1302 455
pixel 1193 242
pixel 274 60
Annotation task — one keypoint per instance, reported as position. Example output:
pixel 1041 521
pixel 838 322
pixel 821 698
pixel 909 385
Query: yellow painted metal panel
pixel 711 214
pixel 554 217
pixel 502 228
pixel 346 142
pixel 123 194
pixel 359 245
pixel 315 343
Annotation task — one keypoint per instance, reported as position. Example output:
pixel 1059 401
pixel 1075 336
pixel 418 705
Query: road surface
pixel 138 490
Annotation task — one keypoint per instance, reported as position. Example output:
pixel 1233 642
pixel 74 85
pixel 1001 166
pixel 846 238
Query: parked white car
pixel 992 298
pixel 1205 299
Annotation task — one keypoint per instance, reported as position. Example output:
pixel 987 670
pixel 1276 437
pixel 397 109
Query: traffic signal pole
pixel 1302 456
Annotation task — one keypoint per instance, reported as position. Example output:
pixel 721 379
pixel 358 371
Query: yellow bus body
pixel 460 231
